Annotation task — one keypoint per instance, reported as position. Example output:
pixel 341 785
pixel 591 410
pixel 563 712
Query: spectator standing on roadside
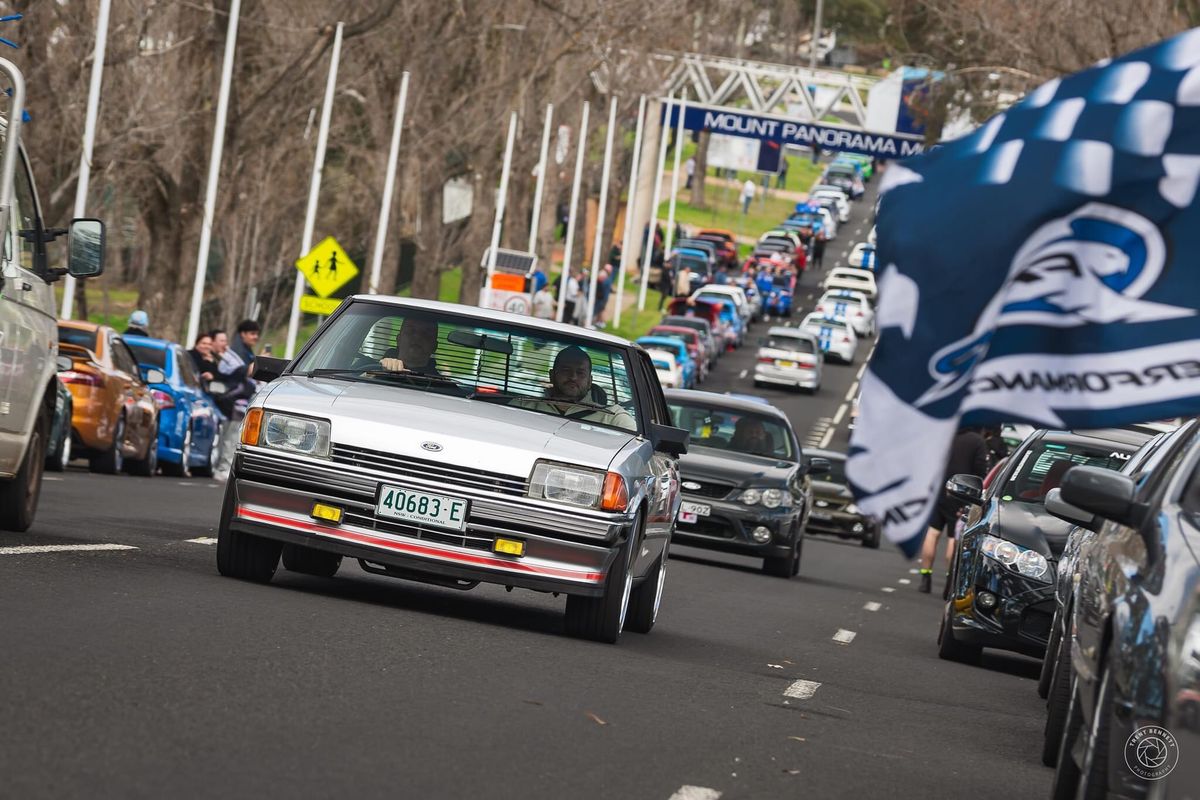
pixel 246 340
pixel 666 284
pixel 968 456
pixel 139 324
pixel 818 250
pixel 543 303
pixel 781 178
pixel 748 191
pixel 690 166
pixel 234 373
pixel 683 281
pixel 202 357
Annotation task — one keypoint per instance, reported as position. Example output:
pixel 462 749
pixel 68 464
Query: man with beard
pixel 571 393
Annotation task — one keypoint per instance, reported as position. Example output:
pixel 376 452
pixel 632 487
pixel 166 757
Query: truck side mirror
pixel 85 248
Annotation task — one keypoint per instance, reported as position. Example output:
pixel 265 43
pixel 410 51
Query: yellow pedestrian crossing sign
pixel 327 268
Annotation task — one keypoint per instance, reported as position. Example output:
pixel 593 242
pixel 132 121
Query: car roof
pixel 825 318
pixel 848 294
pixel 535 323
pixel 672 328
pixel 717 232
pixel 782 330
pixel 694 323
pixel 855 271
pixel 146 341
pixel 82 325
pixel 724 401
pixel 1129 438
pixel 660 340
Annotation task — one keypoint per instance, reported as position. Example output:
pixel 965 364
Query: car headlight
pixel 769 498
pixel 294 434
pixel 578 486
pixel 852 509
pixel 1020 560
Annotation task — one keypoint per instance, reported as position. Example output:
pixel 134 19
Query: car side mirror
pixel 967 488
pixel 63 363
pixel 153 375
pixel 818 466
pixel 1067 512
pixel 85 248
pixel 668 439
pixel 267 368
pixel 1101 492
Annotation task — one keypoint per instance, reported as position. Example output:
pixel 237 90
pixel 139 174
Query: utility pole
pixel 812 49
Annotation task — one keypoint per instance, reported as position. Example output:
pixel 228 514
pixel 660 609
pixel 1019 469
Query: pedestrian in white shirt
pixel 748 190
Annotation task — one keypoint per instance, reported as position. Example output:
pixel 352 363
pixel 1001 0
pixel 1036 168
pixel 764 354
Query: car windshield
pixel 793 344
pixel 662 363
pixel 1042 467
pixel 77 336
pixel 817 321
pixel 841 275
pixel 442 352
pixel 734 430
pixel 149 356
pixel 837 472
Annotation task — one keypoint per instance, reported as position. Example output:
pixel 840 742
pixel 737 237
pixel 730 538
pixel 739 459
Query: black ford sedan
pixel 1002 585
pixel 745 481
pixel 834 512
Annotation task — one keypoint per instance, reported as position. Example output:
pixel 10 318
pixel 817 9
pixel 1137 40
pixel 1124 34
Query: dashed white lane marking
pixel 841 412
pixel 802 690
pixel 905 581
pixel 872 606
pixel 853 389
pixel 204 540
pixel 827 438
pixel 50 478
pixel 844 636
pixel 60 548
pixel 863 368
pixel 743 373
pixel 914 571
pixel 695 793
pixel 889 588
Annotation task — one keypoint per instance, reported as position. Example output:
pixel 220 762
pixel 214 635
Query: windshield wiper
pixel 334 372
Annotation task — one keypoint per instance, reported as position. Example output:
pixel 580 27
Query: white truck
pixel 28 321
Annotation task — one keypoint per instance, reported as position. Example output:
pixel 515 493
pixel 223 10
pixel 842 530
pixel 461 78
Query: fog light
pixel 510 547
pixel 985 600
pixel 761 535
pixel 857 528
pixel 328 513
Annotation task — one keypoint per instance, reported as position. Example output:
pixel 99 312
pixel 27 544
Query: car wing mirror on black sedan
pixel 818 466
pixel 1102 492
pixel 268 369
pixel 967 488
pixel 1067 512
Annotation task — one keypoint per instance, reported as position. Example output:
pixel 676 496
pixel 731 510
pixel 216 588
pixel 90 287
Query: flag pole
pixel 389 186
pixel 89 137
pixel 597 240
pixel 214 173
pixel 541 180
pixel 627 239
pixel 668 240
pixel 565 278
pixel 314 188
pixel 653 222
pixel 498 223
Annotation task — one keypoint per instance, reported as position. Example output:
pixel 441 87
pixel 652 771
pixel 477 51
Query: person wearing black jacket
pixel 203 359
pixel 969 455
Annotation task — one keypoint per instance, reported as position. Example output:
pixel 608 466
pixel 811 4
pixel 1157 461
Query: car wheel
pixel 782 566
pixel 19 495
pixel 950 648
pixel 214 457
pixel 602 618
pixel 799 556
pixel 243 555
pixel 1094 775
pixel 147 465
pixel 61 457
pixel 308 561
pixel 112 460
pixel 1058 700
pixel 1049 660
pixel 181 469
pixel 871 540
pixel 646 598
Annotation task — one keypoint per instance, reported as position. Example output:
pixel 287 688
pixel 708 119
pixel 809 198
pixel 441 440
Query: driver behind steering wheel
pixel 570 388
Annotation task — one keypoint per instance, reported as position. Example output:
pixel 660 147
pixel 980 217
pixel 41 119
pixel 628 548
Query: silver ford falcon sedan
pixel 453 444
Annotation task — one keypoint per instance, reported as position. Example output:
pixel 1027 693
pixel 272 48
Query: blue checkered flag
pixel 1041 270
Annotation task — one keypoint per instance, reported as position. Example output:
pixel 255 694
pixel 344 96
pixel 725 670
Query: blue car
pixel 677 348
pixel 189 427
pixel 779 301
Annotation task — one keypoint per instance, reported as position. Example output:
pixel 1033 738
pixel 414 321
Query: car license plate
pixel 690 512
pixel 422 508
pixel 787 364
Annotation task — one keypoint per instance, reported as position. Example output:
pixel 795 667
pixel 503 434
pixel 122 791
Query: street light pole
pixel 812 50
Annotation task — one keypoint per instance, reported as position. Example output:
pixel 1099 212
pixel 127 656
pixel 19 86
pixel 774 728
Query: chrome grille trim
pixel 422 469
pixel 286 470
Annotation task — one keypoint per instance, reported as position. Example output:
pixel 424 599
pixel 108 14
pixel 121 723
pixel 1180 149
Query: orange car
pixel 115 417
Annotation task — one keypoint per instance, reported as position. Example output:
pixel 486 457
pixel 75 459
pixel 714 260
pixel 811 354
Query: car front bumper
pixel 800 378
pixel 839 523
pixel 728 527
pixel 565 550
pixel 1021 619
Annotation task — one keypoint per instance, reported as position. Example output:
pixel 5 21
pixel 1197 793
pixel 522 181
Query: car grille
pixel 397 528
pixel 407 467
pixel 708 488
pixel 708 526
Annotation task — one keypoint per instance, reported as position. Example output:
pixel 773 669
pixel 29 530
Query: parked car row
pixel 1083 549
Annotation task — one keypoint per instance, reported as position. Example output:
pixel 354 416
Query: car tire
pixel 147 465
pixel 243 555
pixel 602 618
pixel 214 457
pixel 950 648
pixel 783 566
pixel 181 470
pixel 112 460
pixel 58 460
pixel 871 540
pixel 1093 779
pixel 308 561
pixel 19 495
pixel 1050 660
pixel 646 598
pixel 1058 700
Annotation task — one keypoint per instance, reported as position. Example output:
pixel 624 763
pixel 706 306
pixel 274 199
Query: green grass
pixel 106 305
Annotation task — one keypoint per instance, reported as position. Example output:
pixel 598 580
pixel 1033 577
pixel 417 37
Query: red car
pixel 695 345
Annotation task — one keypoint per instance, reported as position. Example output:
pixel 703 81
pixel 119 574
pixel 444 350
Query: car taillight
pixel 79 378
pixel 845 340
pixel 765 360
pixel 162 399
pixel 859 314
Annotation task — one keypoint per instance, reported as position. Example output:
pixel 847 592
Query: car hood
pixel 709 463
pixel 471 433
pixel 1030 525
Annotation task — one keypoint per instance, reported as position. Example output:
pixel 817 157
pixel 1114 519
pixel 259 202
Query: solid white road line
pixel 853 389
pixel 742 374
pixel 889 588
pixel 61 548
pixel 872 606
pixel 802 690
pixel 844 636
pixel 695 793
pixel 203 540
pixel 841 412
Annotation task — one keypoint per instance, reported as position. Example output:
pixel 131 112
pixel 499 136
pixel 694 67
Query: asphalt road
pixel 140 672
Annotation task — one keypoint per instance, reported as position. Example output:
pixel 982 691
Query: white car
pixel 854 307
pixel 838 197
pixel 789 357
pixel 835 336
pixel 670 375
pixel 863 256
pixel 831 224
pixel 856 280
pixel 726 290
pixel 831 189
